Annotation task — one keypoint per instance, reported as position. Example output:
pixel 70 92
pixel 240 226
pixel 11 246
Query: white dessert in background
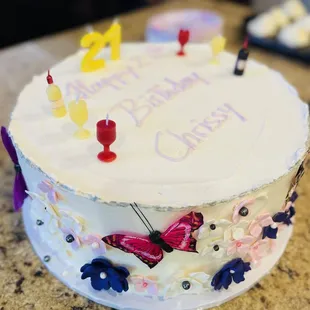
pixel 304 23
pixel 279 17
pixel 294 9
pixel 263 26
pixel 269 23
pixel 294 36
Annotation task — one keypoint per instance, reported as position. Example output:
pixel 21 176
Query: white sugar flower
pixel 213 229
pixel 192 283
pixel 216 249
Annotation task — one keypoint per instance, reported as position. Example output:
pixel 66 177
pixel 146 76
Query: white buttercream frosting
pixel 188 132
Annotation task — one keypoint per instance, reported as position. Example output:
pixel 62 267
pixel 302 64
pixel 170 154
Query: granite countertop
pixel 26 284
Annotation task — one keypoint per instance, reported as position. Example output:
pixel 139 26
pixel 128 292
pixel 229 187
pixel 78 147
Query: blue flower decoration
pixel 232 271
pixel 293 197
pixel 285 217
pixel 103 275
pixel 270 232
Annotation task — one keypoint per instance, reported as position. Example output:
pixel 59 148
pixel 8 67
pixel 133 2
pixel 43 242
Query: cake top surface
pixel 188 132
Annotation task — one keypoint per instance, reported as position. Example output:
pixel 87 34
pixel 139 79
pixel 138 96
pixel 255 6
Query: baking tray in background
pixel 271 44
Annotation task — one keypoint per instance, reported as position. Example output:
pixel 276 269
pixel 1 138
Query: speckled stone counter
pixel 26 284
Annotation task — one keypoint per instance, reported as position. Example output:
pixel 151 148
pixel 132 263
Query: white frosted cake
pixel 200 198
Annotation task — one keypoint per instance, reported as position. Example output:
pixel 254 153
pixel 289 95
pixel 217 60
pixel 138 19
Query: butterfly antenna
pixel 144 217
pixel 142 220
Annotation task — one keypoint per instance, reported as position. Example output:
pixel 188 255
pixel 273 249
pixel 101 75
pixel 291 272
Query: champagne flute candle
pixel 79 115
pixel 217 46
pixel 54 95
pixel 106 135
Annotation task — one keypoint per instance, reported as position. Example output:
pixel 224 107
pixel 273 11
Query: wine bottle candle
pixel 242 59
pixel 54 95
pixel 106 135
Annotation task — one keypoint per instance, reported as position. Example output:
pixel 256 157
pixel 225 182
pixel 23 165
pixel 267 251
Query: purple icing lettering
pixel 186 138
pixel 231 109
pixel 221 117
pixel 137 113
pixel 160 153
pixel 155 101
pixel 176 87
pixel 165 94
pixel 195 129
pixel 77 87
pixel 140 62
pixel 107 82
pixel 131 71
pixel 199 78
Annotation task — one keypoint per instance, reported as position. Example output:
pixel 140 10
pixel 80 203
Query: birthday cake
pixel 199 196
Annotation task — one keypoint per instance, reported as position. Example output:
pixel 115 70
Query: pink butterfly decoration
pixel 257 225
pixel 149 249
pixel 143 284
pixel 47 188
pixel 236 216
pixel 96 243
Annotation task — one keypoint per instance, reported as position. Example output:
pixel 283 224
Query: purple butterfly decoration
pixel 20 187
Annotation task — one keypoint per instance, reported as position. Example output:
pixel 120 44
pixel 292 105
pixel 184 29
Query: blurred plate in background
pixel 203 25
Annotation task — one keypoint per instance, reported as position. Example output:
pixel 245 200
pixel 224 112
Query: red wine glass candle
pixel 183 39
pixel 106 135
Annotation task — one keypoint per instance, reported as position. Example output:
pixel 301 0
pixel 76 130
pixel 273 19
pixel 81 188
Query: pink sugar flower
pixel 71 237
pixel 98 246
pixel 260 249
pixel 241 246
pixel 261 221
pixel 237 209
pixel 47 188
pixel 143 284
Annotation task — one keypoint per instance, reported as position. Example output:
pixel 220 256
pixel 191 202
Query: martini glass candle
pixel 106 135
pixel 217 45
pixel 79 115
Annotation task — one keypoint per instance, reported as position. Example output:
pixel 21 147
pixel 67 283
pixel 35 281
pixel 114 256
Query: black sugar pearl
pixel 39 222
pixel 244 211
pixel 186 285
pixel 69 238
pixel 212 226
pixel 47 258
pixel 216 248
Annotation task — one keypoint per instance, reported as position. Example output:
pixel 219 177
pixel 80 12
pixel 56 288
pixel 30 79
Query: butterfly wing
pixel 142 247
pixel 179 235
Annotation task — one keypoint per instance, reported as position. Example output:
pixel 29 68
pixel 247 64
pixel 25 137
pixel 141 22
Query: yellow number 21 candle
pixel 96 42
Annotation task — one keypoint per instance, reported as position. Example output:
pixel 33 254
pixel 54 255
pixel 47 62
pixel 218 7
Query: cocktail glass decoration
pixel 183 39
pixel 217 45
pixel 79 115
pixel 106 135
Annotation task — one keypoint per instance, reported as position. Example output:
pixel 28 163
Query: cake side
pixel 187 116
pixel 75 231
